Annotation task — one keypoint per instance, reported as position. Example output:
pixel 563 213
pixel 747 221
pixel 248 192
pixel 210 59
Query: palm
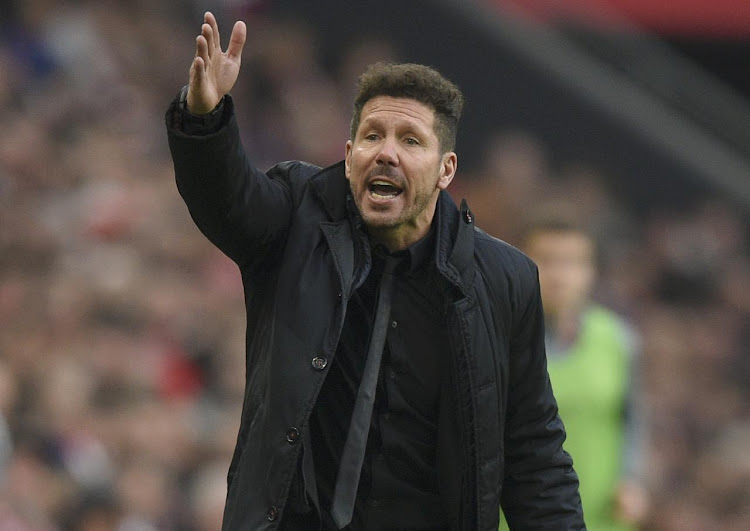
pixel 213 71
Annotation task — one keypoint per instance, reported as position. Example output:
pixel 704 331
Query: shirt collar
pixel 421 251
pixel 413 257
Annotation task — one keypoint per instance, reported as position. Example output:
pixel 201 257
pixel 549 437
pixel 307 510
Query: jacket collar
pixel 331 188
pixel 454 246
pixel 454 252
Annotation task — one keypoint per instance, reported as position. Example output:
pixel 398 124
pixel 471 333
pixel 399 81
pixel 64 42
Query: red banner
pixel 714 18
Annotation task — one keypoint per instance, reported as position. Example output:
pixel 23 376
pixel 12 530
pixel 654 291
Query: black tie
pixel 347 480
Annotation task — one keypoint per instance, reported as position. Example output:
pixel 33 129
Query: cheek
pixel 355 182
pixel 355 166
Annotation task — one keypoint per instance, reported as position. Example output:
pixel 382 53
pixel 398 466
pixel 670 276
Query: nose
pixel 388 153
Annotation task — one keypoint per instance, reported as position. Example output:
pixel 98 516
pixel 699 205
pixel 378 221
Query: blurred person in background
pixel 463 405
pixel 592 355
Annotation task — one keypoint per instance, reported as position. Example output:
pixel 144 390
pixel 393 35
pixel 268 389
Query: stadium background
pixel 121 328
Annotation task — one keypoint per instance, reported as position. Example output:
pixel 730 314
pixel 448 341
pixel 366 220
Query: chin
pixel 376 220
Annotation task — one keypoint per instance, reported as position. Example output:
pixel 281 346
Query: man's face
pixel 396 169
pixel 566 268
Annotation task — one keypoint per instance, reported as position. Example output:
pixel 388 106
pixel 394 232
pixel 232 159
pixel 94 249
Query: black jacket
pixel 500 438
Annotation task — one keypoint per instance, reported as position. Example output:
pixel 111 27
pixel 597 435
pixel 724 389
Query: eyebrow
pixel 414 125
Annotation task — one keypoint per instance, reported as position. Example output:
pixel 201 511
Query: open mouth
pixel 384 190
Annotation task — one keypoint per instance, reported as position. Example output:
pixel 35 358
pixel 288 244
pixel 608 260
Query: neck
pixel 563 325
pixel 403 236
pixel 394 241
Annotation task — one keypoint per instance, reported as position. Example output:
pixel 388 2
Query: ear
pixel 348 159
pixel 447 169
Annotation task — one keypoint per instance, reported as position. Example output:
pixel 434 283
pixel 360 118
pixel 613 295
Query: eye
pixel 412 141
pixel 371 137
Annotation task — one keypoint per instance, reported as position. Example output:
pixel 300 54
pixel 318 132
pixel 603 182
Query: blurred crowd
pixel 122 328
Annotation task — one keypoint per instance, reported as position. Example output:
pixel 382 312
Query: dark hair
pixel 553 224
pixel 559 218
pixel 553 216
pixel 418 82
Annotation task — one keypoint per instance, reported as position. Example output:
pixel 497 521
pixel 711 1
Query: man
pixel 396 372
pixel 590 359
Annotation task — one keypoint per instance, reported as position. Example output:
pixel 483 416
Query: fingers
pixel 197 78
pixel 208 35
pixel 210 32
pixel 201 48
pixel 210 19
pixel 237 40
pixel 197 72
pixel 198 66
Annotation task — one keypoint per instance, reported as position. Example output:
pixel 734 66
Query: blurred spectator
pixel 592 365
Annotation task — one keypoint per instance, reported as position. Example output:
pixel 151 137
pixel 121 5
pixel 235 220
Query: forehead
pixel 560 242
pixel 391 109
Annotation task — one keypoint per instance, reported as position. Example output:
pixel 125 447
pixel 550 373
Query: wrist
pixel 199 124
pixel 184 104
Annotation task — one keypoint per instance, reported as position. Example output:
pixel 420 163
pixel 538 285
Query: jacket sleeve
pixel 540 488
pixel 240 209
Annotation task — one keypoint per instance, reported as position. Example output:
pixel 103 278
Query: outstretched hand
pixel 213 72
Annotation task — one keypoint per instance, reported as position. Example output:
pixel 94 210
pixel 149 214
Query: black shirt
pixel 399 485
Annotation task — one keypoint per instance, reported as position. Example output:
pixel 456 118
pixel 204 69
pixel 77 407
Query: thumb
pixel 237 40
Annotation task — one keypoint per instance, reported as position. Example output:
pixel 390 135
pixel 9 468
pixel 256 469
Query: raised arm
pixel 240 209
